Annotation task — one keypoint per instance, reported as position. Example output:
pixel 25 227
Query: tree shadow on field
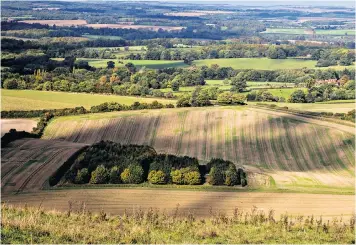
pixel 289 148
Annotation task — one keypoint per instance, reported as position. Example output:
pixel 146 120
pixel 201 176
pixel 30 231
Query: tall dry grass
pixel 34 225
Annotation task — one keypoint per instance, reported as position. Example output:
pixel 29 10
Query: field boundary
pixel 207 188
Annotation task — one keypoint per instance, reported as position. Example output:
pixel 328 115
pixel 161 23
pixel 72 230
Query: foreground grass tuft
pixel 30 225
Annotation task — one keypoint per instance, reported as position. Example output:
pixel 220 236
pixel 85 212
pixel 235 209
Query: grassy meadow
pixel 236 63
pixel 151 64
pixel 284 92
pixel 36 100
pixel 33 225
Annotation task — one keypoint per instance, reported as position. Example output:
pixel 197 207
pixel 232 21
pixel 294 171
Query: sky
pixel 264 2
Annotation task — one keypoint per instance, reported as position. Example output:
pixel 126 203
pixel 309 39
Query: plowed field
pixel 293 150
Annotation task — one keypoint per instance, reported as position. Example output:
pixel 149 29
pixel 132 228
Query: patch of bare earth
pixel 32 161
pixel 18 124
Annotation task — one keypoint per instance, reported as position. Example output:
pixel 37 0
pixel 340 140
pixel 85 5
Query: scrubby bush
pixel 185 176
pixel 100 175
pixel 156 177
pixel 216 177
pixel 177 177
pixel 192 178
pixel 132 175
pixel 242 177
pixel 231 177
pixel 297 96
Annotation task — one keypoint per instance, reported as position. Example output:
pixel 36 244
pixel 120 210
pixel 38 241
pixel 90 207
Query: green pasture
pixel 151 64
pixel 258 63
pixel 36 100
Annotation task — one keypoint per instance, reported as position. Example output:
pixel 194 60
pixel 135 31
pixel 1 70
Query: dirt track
pixel 116 201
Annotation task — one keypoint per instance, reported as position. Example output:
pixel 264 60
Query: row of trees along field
pixel 109 162
pixel 325 56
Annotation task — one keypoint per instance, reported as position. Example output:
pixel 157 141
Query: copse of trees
pixel 332 57
pixel 324 92
pixel 239 82
pixel 263 95
pixel 173 169
pixel 112 163
pixel 228 98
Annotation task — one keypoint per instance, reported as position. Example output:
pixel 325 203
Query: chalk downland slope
pixel 294 151
pixel 27 164
pixel 18 124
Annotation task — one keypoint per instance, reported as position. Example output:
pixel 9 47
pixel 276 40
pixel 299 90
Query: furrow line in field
pixel 277 144
pixel 335 154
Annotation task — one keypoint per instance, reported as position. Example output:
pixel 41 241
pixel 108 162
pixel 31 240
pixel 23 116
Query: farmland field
pixel 26 164
pixel 284 92
pixel 57 22
pixel 258 63
pixel 35 100
pixel 299 31
pixel 293 150
pixel 18 124
pixel 236 63
pixel 332 106
pixel 116 201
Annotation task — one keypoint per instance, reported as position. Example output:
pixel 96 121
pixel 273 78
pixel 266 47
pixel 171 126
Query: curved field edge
pixel 35 100
pixel 294 151
pixel 27 164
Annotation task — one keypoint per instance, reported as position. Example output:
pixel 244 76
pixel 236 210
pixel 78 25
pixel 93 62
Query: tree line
pixel 332 55
pixel 77 76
